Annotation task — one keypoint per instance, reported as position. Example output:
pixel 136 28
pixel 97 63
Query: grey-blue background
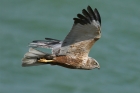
pixel 22 21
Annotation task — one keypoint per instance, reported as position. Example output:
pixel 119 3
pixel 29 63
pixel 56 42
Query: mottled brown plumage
pixel 73 51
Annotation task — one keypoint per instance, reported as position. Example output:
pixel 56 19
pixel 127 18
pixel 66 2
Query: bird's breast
pixel 75 62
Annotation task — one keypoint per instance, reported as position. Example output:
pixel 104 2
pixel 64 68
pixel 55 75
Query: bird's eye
pixel 95 63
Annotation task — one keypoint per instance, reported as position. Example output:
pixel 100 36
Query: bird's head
pixel 93 63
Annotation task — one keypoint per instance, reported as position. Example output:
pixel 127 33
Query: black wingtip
pixel 97 15
pixel 88 16
pixel 77 20
pixel 89 6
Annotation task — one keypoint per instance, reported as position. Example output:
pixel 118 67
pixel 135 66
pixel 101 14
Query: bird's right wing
pixel 84 33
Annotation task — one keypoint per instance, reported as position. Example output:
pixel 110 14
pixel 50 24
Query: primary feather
pixel 73 51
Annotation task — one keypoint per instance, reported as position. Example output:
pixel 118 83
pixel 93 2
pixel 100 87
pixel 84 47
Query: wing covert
pixel 85 31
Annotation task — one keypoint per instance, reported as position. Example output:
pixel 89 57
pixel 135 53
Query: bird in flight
pixel 73 51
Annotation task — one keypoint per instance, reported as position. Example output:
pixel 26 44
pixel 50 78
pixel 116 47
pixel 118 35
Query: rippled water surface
pixel 118 51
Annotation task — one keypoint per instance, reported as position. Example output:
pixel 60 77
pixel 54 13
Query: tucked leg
pixel 44 60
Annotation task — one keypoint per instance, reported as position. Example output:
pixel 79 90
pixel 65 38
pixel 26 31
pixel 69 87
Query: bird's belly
pixel 66 60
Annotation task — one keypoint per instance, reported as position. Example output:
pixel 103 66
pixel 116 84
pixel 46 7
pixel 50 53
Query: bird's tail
pixel 32 57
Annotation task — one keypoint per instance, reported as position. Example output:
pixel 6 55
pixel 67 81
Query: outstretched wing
pixel 53 44
pixel 85 31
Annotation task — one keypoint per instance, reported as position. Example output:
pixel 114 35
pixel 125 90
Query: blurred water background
pixel 118 51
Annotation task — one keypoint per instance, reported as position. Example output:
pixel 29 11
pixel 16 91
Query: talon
pixel 44 60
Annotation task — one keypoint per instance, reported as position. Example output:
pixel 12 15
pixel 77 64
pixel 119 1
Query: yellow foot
pixel 44 60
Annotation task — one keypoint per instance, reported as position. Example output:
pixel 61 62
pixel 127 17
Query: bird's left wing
pixel 53 44
pixel 85 31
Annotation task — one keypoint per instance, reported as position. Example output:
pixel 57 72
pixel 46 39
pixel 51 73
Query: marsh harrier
pixel 73 51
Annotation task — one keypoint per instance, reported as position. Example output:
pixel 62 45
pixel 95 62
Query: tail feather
pixel 28 61
pixel 31 57
pixel 36 52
